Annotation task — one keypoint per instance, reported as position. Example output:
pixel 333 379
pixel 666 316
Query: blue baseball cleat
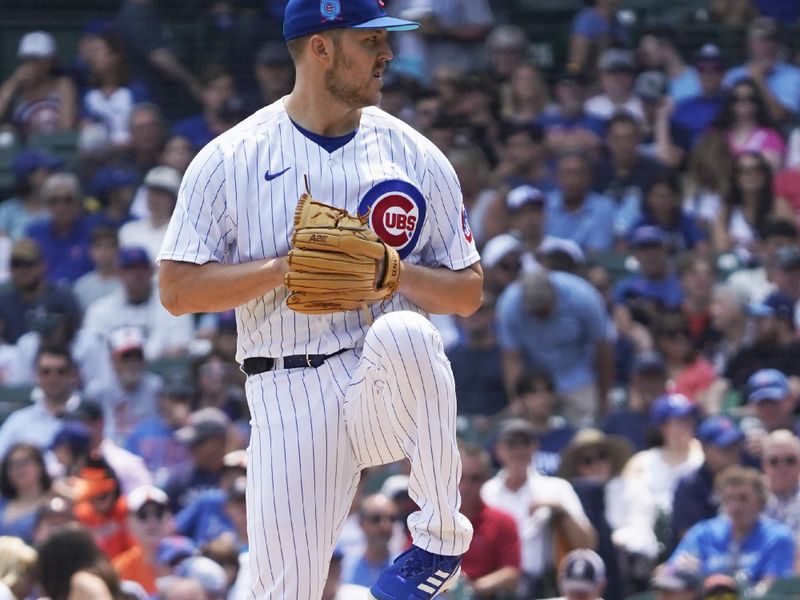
pixel 417 575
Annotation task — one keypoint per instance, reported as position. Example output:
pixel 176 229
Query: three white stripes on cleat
pixel 432 580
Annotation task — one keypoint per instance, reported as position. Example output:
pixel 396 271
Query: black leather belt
pixel 262 364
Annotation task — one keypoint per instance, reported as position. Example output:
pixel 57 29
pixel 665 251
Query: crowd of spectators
pixel 628 391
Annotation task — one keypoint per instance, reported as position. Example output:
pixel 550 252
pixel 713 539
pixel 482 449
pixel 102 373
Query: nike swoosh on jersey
pixel 270 176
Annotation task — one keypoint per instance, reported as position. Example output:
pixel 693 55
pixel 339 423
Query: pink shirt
pixel 760 140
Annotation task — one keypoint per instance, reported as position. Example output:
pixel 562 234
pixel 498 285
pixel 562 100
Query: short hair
pixel 688 260
pixel 62 179
pixel 472 450
pixel 54 350
pixel 622 117
pixel 532 378
pixel 150 107
pixel 781 437
pixel 7 489
pixel 532 130
pixel 298 45
pixel 737 475
pixel 104 233
pixel 579 154
pixel 213 72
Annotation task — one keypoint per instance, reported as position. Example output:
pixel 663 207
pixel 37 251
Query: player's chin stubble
pixel 344 89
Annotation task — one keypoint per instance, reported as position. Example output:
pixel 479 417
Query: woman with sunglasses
pixel 748 205
pixel 24 488
pixel 745 121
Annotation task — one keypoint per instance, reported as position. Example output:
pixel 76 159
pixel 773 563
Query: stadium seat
pixel 63 144
pixel 13 398
pixel 7 154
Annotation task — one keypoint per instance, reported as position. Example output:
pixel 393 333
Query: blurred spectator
pixel 689 372
pixel 544 508
pixel 731 13
pixel 502 260
pixel 54 515
pixel 171 551
pixel 697 275
pixel 676 582
pixel 524 97
pixel 216 387
pixel 153 57
pixel 729 319
pixel 32 167
pixel 658 50
pixel 659 468
pixel 177 153
pixel 18 563
pixel 148 132
pixel 707 180
pixel 214 512
pixel 63 236
pixel 154 438
pixel 476 365
pixel 104 278
pixel 624 173
pixel 574 211
pixel 71 565
pixel 581 576
pixel 149 523
pixel 772 404
pixel 617 69
pixel 780 461
pixel 556 254
pixel 137 305
pixel 507 47
pixel 206 434
pixel 161 186
pixel 70 447
pixel 30 303
pixel 748 205
pixel 662 139
pixel 129 469
pixel 228 554
pixel 786 274
pixel 566 124
pixel 209 574
pixel 740 541
pixel 556 321
pixel 656 284
pixel 112 94
pixel 537 402
pixel 745 121
pixel 777 81
pixel 662 207
pixel 24 489
pixel 182 588
pixel 526 218
pixel 130 396
pixel 482 202
pixel 113 187
pixel 100 507
pixel 592 463
pixel 774 344
pixel 274 75
pixel 695 114
pixel 523 157
pixel 648 382
pixel 36 98
pixel 593 30
pixel 695 499
pixel 221 108
pixel 377 515
pixel 492 563
pixel 38 423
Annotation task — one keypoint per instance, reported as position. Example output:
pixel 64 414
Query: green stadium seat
pixel 7 155
pixel 13 398
pixel 63 144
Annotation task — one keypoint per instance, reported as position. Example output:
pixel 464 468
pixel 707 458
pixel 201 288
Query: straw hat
pixel 619 450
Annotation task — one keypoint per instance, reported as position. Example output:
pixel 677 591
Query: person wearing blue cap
pixel 772 401
pixel 227 246
pixel 722 441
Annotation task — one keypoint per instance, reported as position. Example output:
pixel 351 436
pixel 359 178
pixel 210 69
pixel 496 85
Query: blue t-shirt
pixel 205 519
pixel 666 291
pixel 632 425
pixel 783 81
pixel 562 344
pixel 686 85
pixel 684 235
pixel 67 258
pixel 591 24
pixel 547 459
pixel 768 551
pixel 161 451
pixel 695 115
pixel 556 121
pixel 591 226
pixel 21 527
pixel 365 573
pixel 195 129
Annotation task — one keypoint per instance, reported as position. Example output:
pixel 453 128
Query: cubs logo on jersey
pixel 396 211
pixel 465 225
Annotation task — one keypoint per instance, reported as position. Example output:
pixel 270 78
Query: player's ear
pixel 321 47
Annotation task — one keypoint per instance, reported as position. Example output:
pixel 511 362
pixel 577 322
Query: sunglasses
pixel 21 263
pixel 151 512
pixel 589 459
pixel 375 519
pixel 776 461
pixel 53 370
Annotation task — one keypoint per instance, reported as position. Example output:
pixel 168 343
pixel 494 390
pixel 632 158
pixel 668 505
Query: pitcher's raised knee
pixel 403 331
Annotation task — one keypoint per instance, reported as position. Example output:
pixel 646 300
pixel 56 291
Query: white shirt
pixel 125 409
pixel 142 233
pixel 129 468
pixel 32 424
pixel 534 528
pixel 603 108
pixel 237 201
pixel 113 110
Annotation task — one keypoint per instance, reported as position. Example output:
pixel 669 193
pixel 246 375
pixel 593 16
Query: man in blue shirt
pixel 377 516
pixel 777 80
pixel 576 213
pixel 557 322
pixel 656 282
pixel 695 114
pixel 740 541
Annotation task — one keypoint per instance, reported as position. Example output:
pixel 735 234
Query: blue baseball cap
pixel 303 17
pixel 28 161
pixel 767 384
pixel 132 256
pixel 109 179
pixel 647 235
pixel 719 431
pixel 777 304
pixel 671 406
pixel 174 548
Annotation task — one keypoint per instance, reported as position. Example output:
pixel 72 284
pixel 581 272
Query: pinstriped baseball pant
pixel 313 430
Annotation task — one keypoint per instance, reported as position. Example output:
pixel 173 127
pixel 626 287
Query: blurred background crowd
pixel 628 392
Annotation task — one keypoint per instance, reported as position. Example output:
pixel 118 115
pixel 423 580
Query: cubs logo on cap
pixel 303 17
pixel 396 211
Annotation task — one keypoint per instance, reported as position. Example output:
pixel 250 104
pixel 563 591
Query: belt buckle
pixel 308 361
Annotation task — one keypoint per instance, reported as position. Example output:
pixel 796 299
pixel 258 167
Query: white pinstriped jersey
pixel 237 200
